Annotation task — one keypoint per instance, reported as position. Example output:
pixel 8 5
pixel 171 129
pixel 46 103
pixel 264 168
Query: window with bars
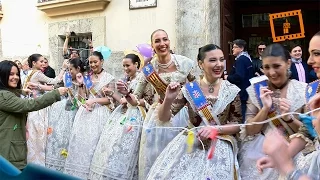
pixel 80 42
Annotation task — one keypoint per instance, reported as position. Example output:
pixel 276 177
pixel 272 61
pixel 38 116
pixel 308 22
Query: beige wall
pixel 25 29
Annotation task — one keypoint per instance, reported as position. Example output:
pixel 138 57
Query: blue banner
pixel 68 80
pixel 257 87
pixel 148 70
pixel 196 94
pixel 87 81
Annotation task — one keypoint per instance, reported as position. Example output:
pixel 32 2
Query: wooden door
pixel 227 30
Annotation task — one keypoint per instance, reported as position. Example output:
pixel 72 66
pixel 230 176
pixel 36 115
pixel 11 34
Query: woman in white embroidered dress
pixel 168 68
pixel 37 122
pixel 281 95
pixel 90 119
pixel 175 162
pixel 61 116
pixel 117 152
pixel 298 143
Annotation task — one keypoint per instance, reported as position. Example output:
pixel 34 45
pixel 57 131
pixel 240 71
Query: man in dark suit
pixel 299 69
pixel 241 71
pixel 48 71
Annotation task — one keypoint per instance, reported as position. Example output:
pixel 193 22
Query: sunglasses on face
pixel 261 49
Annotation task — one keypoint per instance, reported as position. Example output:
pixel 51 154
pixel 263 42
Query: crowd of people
pixel 162 121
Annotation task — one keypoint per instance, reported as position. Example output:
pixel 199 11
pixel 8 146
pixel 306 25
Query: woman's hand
pixel 276 147
pixel 263 163
pixel 27 91
pixel 65 64
pixel 63 90
pixel 122 87
pixel 265 96
pixel 172 91
pixel 205 132
pixel 89 104
pixel 32 85
pixel 284 106
pixel 79 78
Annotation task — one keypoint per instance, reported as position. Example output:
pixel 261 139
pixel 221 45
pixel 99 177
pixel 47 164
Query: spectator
pixel 48 71
pixel 24 71
pixel 70 53
pixel 299 68
pixel 241 71
pixel 257 62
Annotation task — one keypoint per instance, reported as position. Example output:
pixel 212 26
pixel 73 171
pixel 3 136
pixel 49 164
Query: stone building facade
pixel 39 27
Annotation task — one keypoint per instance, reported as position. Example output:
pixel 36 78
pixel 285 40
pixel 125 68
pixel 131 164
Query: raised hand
pixel 265 96
pixel 65 64
pixel 122 87
pixel 79 78
pixel 276 147
pixel 172 91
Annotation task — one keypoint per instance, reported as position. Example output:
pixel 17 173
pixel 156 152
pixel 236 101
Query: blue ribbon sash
pixel 199 101
pixel 154 79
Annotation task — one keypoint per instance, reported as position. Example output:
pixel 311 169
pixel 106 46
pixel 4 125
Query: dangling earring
pixel 289 73
pixel 201 69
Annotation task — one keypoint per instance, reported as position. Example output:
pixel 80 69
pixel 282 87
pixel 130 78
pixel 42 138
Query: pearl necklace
pixel 210 85
pixel 164 66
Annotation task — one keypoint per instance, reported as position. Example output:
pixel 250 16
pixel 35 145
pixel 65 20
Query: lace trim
pixel 298 135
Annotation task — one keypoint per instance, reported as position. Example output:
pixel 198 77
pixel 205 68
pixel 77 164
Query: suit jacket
pixel 294 71
pixel 257 65
pixel 240 74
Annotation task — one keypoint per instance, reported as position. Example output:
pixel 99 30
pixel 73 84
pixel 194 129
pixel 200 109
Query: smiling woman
pixel 163 69
pixel 13 112
pixel 268 98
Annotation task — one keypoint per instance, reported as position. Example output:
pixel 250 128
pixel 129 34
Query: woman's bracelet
pixel 290 120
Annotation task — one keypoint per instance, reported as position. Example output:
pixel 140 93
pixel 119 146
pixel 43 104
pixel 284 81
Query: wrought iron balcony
pixel 66 7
